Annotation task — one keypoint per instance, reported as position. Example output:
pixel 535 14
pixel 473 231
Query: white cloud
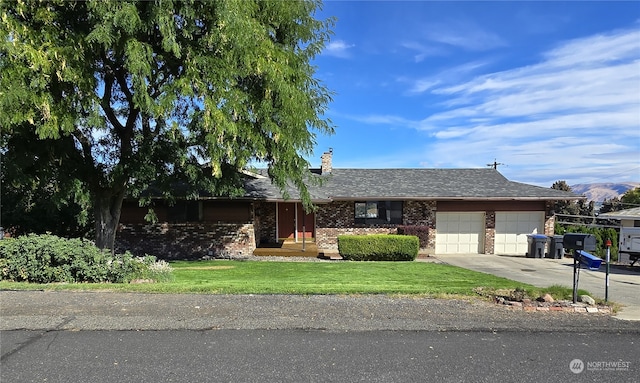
pixel 338 48
pixel 464 34
pixel 594 50
pixel 595 94
pixel 423 85
pixel 575 115
pixel 446 76
pixel 380 119
pixel 423 51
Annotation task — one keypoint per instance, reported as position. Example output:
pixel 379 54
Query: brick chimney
pixel 326 162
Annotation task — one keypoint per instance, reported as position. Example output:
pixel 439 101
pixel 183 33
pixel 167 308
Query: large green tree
pixel 629 200
pixel 38 193
pixel 135 92
pixel 576 208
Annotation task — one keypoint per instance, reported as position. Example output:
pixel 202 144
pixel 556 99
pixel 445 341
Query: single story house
pixel 629 237
pixel 463 210
pixel 627 217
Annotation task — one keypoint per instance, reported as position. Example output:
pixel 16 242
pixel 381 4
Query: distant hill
pixel 599 192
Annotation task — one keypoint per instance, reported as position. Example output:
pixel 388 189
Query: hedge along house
pixel 463 211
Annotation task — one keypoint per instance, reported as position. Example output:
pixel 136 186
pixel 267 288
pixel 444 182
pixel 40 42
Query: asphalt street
pixel 297 355
pixel 49 336
pixel 126 337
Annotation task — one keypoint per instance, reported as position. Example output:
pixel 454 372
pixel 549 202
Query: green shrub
pixel 601 234
pixel 48 258
pixel 378 247
pixel 151 268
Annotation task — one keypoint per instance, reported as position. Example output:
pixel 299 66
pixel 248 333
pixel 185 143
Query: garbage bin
pixel 556 247
pixel 537 244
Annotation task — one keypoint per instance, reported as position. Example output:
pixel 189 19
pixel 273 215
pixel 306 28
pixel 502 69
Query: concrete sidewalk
pixel 624 282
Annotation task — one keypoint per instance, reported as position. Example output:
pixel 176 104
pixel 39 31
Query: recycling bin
pixel 556 247
pixel 537 244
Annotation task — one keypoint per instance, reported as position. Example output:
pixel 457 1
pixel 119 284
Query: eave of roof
pixel 402 184
pixel 387 198
pixel 433 184
pixel 633 214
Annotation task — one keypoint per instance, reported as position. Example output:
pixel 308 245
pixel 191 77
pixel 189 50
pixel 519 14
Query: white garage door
pixel 512 229
pixel 459 233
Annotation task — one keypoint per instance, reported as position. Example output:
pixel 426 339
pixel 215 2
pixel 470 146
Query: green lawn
pixel 247 277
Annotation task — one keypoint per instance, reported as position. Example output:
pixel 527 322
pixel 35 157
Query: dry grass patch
pixel 207 268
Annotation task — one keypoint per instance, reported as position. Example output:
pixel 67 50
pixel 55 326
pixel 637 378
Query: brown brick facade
pixel 489 232
pixel 422 213
pixel 338 218
pixel 549 219
pixel 198 239
pixel 419 213
pixel 187 240
pixel 265 222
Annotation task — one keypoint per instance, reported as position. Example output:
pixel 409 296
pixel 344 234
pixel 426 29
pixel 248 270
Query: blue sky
pixel 549 89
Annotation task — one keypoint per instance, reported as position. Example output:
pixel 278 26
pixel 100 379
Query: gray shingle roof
pixel 426 184
pixel 633 213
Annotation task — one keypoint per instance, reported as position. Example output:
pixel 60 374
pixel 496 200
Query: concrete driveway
pixel 624 282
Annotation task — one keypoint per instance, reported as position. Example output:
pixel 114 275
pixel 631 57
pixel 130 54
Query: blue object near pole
pixel 589 260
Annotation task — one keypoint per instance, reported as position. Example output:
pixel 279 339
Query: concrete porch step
pixel 332 256
pixel 288 249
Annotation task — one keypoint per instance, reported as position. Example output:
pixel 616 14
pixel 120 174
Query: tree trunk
pixel 108 206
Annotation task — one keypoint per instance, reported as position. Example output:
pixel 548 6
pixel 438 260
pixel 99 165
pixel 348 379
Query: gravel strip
pixel 52 310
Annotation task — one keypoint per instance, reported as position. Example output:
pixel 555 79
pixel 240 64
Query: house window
pixel 378 212
pixel 226 211
pixel 185 211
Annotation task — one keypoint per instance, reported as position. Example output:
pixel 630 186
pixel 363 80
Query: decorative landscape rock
pixel 587 299
pixel 546 298
pixel 515 300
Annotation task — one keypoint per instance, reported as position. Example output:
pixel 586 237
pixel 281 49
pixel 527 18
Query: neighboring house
pixel 464 211
pixel 627 217
pixel 629 236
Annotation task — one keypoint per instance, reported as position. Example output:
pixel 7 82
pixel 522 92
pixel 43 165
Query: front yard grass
pixel 251 277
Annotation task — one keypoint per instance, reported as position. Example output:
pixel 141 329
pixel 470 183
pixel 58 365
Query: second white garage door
pixel 459 233
pixel 512 228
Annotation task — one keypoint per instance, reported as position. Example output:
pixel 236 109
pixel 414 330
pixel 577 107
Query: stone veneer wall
pixel 549 219
pixel 187 240
pixel 422 213
pixel 338 218
pixel 265 221
pixel 327 238
pixel 489 232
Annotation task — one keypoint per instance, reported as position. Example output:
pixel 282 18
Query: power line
pixel 610 176
pixel 587 224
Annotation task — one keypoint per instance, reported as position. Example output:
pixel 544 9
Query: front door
pixel 293 222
